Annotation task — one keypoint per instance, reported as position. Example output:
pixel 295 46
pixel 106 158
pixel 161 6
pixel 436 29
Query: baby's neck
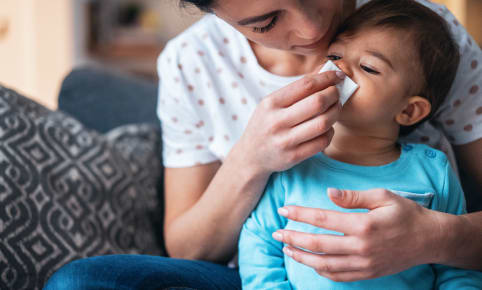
pixel 362 149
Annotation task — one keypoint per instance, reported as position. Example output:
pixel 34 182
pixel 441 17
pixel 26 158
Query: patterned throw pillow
pixel 68 193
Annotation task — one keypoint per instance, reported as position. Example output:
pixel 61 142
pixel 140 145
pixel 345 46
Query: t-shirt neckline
pixel 394 167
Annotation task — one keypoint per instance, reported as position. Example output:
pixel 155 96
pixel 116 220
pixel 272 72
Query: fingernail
pixel 334 192
pixel 283 211
pixel 340 74
pixel 278 236
pixel 287 251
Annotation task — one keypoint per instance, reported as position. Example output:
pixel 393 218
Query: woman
pixel 226 138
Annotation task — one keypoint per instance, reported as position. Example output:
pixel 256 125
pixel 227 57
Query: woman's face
pixel 299 26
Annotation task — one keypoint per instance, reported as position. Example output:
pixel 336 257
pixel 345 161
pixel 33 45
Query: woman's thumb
pixel 369 199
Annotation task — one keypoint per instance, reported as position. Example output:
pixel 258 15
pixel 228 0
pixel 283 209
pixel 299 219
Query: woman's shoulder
pixel 204 49
pixel 459 34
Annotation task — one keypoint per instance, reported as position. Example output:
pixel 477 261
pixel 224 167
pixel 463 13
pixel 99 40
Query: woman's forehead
pixel 236 10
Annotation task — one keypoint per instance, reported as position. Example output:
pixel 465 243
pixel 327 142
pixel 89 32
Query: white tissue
pixel 346 88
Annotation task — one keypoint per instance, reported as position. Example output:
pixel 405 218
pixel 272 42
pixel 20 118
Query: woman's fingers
pixel 326 263
pixel 304 87
pixel 316 126
pixel 370 199
pixel 347 223
pixel 267 141
pixel 331 244
pixel 313 146
pixel 348 276
pixel 310 107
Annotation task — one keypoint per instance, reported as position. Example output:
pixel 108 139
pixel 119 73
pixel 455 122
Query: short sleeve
pixel 184 130
pixel 460 116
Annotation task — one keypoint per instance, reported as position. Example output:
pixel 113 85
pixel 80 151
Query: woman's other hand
pixel 292 124
pixel 394 235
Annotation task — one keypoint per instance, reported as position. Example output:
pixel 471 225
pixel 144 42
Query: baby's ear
pixel 415 110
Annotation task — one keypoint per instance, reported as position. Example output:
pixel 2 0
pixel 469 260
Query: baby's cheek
pixel 363 108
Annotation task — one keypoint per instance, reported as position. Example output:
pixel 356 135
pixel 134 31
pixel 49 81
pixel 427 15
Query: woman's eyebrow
pixel 255 19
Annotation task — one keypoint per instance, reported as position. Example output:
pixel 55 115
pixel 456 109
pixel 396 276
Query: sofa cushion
pixel 67 192
pixel 102 99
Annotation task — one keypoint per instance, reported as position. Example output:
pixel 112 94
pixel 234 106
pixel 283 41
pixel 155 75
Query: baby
pixel 401 55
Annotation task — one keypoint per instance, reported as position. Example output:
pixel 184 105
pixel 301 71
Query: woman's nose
pixel 309 26
pixel 345 67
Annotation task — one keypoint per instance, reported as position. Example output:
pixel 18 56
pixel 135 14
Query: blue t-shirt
pixel 421 174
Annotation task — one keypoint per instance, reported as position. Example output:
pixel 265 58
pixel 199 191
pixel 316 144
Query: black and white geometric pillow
pixel 67 192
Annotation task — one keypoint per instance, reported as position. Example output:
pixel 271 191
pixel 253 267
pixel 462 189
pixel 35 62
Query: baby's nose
pixel 343 65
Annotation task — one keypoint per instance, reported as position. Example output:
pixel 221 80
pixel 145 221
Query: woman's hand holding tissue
pixel 291 124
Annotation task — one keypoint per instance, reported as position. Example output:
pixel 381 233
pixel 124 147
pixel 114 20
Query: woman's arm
pixel 464 235
pixel 461 240
pixel 469 159
pixel 206 205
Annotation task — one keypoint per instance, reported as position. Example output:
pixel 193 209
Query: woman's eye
pixel 369 70
pixel 333 57
pixel 267 27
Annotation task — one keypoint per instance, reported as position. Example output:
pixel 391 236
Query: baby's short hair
pixel 438 53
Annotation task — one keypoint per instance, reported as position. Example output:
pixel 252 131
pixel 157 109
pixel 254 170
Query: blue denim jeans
pixel 142 272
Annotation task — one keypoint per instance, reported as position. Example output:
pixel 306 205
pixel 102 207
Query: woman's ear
pixel 416 109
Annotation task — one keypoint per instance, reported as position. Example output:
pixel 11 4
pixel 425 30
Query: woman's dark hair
pixel 437 52
pixel 203 5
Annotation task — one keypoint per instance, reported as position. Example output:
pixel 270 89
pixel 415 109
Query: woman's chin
pixel 309 51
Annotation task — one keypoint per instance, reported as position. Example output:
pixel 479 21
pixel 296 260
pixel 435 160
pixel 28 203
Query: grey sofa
pixel 82 181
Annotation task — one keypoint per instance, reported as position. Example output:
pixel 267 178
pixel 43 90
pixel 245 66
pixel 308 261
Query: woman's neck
pixel 350 146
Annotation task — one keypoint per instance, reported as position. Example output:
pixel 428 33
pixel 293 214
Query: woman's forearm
pixel 209 230
pixel 461 239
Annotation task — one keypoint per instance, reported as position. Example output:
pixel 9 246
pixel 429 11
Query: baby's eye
pixel 369 70
pixel 333 57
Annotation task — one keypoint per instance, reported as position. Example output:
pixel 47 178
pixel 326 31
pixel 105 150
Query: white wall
pixel 173 19
pixel 37 51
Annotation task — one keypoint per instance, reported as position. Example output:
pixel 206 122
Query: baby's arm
pixel 451 200
pixel 261 260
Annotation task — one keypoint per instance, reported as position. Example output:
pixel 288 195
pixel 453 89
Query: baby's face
pixel 383 63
